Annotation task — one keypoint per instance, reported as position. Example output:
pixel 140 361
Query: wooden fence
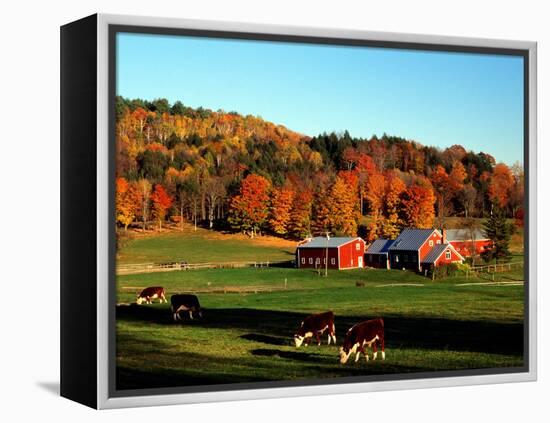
pixel 132 269
pixel 495 268
pixel 492 269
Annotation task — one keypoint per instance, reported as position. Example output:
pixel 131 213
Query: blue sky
pixel 435 98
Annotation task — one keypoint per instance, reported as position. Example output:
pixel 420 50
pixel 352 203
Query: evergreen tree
pixel 498 230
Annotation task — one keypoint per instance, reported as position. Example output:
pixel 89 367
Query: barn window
pixel 396 259
pixel 325 261
pixel 357 246
pixel 303 260
pixel 310 260
pixel 317 260
pixel 448 254
pixel 431 243
pixel 333 261
pixel 438 241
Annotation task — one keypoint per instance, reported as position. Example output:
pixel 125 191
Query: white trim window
pixel 358 246
pixel 303 260
pixel 310 260
pixel 332 260
pixel 431 243
pixel 448 254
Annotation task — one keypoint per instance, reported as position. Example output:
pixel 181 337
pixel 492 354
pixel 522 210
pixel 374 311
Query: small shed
pixel 377 254
pixel 341 252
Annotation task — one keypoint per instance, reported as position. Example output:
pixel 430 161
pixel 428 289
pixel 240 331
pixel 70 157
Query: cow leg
pixel 382 348
pixel 328 343
pixel 318 339
pixel 359 351
pixel 191 314
pixel 374 350
pixel 333 334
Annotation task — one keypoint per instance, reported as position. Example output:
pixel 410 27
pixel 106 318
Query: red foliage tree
pixel 161 203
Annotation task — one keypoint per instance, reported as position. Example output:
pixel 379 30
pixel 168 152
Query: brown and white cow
pixel 364 334
pixel 151 293
pixel 185 302
pixel 316 324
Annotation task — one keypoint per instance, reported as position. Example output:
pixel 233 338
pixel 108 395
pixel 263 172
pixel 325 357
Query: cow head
pixel 139 300
pixel 298 340
pixel 346 351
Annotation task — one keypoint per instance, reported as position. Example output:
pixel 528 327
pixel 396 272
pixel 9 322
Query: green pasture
pixel 246 332
pixel 202 246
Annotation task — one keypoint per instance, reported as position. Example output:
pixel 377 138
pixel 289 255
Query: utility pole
pixel 326 255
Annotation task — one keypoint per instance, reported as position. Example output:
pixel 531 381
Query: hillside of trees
pixel 227 171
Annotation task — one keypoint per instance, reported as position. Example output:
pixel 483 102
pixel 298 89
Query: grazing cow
pixel 316 324
pixel 151 293
pixel 367 333
pixel 185 302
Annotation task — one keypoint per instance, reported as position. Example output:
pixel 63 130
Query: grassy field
pixel 246 333
pixel 203 246
pixel 251 314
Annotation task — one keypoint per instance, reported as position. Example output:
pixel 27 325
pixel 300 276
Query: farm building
pixel 417 249
pixel 468 242
pixel 377 254
pixel 342 253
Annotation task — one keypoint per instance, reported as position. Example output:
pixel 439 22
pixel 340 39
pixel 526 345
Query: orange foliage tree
pixel 128 202
pixel 300 214
pixel 249 209
pixel 446 186
pixel 500 185
pixel 161 203
pixel 281 205
pixel 343 207
pixel 394 188
pixel 418 206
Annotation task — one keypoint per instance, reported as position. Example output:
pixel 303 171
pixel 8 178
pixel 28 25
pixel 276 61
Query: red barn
pixel 468 242
pixel 342 253
pixel 417 248
pixel 441 254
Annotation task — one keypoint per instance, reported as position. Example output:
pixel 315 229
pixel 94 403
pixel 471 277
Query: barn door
pixel 360 261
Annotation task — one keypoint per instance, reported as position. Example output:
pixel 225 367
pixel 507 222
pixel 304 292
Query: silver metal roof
pixel 379 246
pixel 321 242
pixel 465 235
pixel 411 239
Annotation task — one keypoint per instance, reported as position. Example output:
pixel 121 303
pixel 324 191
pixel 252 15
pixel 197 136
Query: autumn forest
pixel 227 171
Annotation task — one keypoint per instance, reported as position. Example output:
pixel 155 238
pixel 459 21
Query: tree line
pixel 225 170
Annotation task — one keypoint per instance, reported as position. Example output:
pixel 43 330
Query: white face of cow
pixel 344 357
pixel 139 300
pixel 298 340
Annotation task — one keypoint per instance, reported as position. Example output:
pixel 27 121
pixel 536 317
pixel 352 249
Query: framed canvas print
pixel 253 211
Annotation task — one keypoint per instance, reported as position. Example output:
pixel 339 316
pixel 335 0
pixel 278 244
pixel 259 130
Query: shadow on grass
pixel 266 339
pixel 291 355
pixel 277 328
